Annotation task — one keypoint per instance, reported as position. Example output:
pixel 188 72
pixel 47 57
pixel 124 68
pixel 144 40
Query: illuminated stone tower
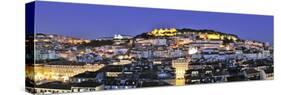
pixel 180 65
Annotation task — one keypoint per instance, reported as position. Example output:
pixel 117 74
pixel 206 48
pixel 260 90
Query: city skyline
pixel 106 20
pixel 165 47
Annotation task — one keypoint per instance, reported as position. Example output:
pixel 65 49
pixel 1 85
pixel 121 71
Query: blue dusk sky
pixel 93 21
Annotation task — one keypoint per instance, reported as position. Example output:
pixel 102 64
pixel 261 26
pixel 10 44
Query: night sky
pixel 93 21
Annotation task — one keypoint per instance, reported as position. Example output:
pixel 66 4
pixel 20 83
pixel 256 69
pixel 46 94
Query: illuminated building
pixel 157 62
pixel 192 50
pixel 217 36
pixel 45 72
pixel 163 32
pixel 182 41
pixel 180 65
pixel 207 34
